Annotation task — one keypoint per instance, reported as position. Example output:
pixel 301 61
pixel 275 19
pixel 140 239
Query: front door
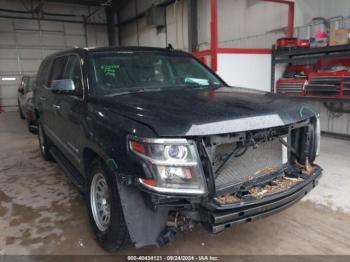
pixel 69 112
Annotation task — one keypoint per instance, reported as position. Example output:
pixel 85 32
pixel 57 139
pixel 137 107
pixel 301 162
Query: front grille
pixel 255 162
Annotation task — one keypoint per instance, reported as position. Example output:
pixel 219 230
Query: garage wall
pixel 238 69
pixel 25 42
pixel 257 24
pixel 242 23
pixel 307 9
pixel 138 33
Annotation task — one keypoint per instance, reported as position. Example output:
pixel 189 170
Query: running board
pixel 69 170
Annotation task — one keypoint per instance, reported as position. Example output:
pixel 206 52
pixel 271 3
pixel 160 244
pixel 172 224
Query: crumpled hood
pixel 199 112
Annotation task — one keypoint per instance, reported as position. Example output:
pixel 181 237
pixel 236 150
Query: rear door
pixel 43 97
pixel 51 113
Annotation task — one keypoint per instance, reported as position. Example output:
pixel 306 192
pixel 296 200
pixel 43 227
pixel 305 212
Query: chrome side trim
pixel 76 150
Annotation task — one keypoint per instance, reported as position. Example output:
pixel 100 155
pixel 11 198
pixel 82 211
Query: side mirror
pixel 64 86
pixel 21 90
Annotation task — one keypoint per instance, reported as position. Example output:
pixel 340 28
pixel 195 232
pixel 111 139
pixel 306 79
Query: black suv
pixel 157 142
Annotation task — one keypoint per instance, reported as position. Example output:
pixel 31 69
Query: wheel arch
pixel 88 156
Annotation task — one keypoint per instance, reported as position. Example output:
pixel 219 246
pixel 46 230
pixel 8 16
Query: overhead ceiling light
pixel 8 78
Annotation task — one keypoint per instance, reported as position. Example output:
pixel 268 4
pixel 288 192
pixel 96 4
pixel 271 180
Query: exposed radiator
pixel 252 164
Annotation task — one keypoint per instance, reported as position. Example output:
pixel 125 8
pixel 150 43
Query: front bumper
pixel 220 217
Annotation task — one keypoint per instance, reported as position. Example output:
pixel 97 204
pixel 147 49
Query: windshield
pixel 125 72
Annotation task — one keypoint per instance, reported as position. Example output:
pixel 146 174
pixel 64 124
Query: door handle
pixel 42 98
pixel 56 107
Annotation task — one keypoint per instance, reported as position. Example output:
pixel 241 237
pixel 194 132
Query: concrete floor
pixel 42 213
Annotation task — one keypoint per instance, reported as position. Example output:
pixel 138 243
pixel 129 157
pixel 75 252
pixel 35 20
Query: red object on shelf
pixel 291 87
pixel 328 62
pixel 301 68
pixel 333 78
pixel 288 43
pixel 303 43
pixel 330 85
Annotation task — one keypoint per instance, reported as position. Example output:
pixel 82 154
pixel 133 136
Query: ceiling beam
pixel 83 2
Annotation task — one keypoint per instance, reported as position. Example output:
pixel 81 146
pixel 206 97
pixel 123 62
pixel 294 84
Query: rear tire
pixel 44 144
pixel 31 128
pixel 105 210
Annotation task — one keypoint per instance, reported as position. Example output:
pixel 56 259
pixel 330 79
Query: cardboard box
pixel 339 37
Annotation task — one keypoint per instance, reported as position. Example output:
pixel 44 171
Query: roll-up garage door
pixel 23 45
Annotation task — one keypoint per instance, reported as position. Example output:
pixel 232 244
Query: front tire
pixel 105 210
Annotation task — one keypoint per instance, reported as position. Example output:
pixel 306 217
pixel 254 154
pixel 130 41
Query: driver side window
pixel 57 69
pixel 67 67
pixel 73 71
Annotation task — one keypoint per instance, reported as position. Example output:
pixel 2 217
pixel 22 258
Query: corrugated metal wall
pixel 138 33
pixel 24 43
pixel 333 122
pixel 243 23
pixel 257 24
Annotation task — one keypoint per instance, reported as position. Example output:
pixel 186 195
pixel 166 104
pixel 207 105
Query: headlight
pixel 173 164
pixel 175 152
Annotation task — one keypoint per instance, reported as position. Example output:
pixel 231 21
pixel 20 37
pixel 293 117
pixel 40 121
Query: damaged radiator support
pixel 243 158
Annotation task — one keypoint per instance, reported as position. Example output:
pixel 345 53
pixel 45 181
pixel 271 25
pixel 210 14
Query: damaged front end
pixel 220 180
pixel 258 173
